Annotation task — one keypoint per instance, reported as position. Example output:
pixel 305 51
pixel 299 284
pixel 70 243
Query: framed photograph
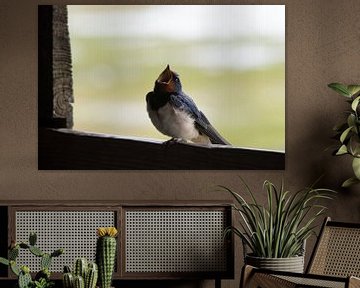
pixel 162 87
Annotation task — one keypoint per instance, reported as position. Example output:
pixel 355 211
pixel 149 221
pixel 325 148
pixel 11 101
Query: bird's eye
pixel 177 79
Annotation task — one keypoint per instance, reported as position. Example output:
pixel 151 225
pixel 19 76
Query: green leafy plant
pixel 348 132
pixel 279 229
pixel 42 278
pixel 43 283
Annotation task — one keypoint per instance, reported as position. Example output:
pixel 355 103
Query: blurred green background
pixel 231 61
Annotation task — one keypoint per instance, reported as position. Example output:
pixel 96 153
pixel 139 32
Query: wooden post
pixel 54 73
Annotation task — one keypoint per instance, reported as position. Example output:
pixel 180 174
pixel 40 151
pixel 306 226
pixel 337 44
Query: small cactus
pixel 67 269
pixel 83 274
pixel 24 277
pixel 79 282
pixel 68 280
pixel 81 265
pixel 106 254
pixel 42 278
pixel 91 276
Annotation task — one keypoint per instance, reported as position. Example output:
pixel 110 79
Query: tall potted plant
pixel 348 132
pixel 275 233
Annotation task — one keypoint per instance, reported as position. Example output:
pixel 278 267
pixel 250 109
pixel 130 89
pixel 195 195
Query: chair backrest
pixel 337 251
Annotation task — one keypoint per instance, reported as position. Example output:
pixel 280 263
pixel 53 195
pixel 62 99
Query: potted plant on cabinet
pixel 348 132
pixel 42 278
pixel 276 233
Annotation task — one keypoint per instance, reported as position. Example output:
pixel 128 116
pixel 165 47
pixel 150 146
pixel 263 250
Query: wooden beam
pixel 68 149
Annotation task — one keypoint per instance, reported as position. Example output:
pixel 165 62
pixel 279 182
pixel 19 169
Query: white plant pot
pixel 291 264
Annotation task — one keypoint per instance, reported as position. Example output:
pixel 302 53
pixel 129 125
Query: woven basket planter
pixel 291 264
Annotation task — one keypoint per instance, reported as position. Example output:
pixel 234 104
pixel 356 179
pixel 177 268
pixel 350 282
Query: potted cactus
pixel 106 254
pixel 84 274
pixel 42 278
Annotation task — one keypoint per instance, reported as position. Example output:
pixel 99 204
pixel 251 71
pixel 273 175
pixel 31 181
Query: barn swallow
pixel 175 114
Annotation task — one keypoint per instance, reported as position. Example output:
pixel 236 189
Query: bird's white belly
pixel 174 123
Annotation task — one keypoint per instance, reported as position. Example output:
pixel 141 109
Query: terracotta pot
pixel 291 264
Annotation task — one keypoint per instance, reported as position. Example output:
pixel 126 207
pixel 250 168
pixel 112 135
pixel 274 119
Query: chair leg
pixel 246 273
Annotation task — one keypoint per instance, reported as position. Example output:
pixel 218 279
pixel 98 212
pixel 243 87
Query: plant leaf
pixel 353 89
pixel 4 261
pixel 351 120
pixel 349 182
pixel 342 150
pixel 14 268
pixel 354 146
pixel 356 167
pixel 340 88
pixel 279 228
pixel 355 103
pixel 345 134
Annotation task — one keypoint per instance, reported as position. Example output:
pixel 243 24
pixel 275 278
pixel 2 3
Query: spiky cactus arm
pixel 80 267
pixel 68 280
pixel 106 254
pixel 67 269
pixel 91 276
pixel 79 282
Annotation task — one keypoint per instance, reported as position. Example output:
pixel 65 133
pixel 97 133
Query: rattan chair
pixel 335 262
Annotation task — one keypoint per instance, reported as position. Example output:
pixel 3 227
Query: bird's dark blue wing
pixel 205 127
pixel 185 103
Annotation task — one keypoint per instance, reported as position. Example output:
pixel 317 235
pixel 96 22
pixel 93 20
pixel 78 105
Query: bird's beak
pixel 166 76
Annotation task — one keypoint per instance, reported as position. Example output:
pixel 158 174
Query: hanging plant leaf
pixel 349 132
pixel 353 89
pixel 342 150
pixel 345 134
pixel 356 167
pixel 355 103
pixel 340 88
pixel 351 120
pixel 349 182
pixel 354 146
